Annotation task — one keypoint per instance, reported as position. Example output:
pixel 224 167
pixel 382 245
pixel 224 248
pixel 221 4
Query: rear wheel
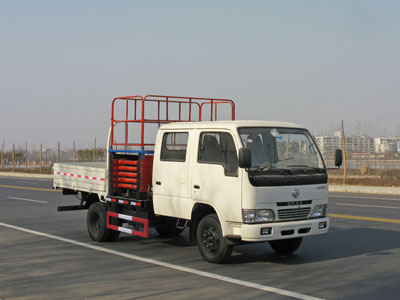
pixel 96 223
pixel 287 246
pixel 212 244
pixel 114 234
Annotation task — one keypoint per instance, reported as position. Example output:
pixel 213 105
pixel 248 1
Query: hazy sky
pixel 310 62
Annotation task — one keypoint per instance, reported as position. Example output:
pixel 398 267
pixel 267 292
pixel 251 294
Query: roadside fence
pixel 23 159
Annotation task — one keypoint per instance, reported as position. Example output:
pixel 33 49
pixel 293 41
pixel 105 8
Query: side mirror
pixel 338 157
pixel 244 158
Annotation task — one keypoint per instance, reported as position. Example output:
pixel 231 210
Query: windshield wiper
pixel 282 171
pixel 264 167
pixel 273 170
pixel 306 168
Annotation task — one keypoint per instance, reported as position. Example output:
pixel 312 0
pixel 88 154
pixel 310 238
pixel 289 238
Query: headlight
pixel 257 215
pixel 319 211
pixel 249 215
pixel 264 216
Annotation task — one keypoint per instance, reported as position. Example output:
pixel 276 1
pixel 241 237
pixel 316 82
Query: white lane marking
pixel 29 200
pixel 365 198
pixel 261 287
pixel 362 205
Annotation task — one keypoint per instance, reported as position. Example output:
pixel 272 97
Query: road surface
pixel 45 254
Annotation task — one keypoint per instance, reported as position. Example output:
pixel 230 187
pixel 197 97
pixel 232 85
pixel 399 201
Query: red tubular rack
pixel 137 102
pixel 124 174
pixel 134 175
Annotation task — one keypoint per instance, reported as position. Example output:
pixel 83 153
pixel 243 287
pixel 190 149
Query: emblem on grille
pixel 295 193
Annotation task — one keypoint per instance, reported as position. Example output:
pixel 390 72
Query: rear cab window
pixel 174 146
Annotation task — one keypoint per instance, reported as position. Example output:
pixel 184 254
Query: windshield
pixel 287 149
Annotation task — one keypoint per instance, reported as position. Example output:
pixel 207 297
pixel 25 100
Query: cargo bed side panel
pixel 89 178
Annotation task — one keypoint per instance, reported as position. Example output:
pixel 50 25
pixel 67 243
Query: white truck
pixel 230 182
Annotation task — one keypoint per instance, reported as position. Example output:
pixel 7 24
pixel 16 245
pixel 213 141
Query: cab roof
pixel 232 125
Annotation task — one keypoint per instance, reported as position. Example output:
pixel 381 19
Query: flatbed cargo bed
pixel 83 177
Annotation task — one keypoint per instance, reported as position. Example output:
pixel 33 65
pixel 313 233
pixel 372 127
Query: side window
pixel 174 146
pixel 218 148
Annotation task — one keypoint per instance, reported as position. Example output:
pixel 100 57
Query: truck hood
pixel 269 195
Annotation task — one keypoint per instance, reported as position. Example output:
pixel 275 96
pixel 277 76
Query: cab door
pixel 215 174
pixel 171 174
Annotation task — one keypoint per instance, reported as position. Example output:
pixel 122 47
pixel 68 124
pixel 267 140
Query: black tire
pixel 212 245
pixel 287 246
pixel 167 227
pixel 114 234
pixel 96 224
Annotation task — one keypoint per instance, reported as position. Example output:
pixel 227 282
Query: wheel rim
pixel 211 239
pixel 95 221
pixel 97 225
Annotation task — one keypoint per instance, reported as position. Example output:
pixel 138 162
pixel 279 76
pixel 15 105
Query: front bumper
pixel 282 230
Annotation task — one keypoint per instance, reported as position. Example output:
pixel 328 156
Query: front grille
pixel 294 213
pixel 292 203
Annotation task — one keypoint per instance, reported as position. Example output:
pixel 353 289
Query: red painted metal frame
pixel 192 102
pixel 145 223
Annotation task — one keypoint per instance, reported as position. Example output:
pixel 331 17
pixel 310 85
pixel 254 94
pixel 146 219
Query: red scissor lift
pixel 132 157
pixel 131 160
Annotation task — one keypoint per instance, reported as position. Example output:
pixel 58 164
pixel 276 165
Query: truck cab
pixel 282 194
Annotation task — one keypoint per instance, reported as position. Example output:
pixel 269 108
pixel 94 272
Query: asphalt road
pixel 45 254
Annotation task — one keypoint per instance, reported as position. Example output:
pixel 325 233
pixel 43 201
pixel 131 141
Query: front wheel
pixel 287 246
pixel 212 244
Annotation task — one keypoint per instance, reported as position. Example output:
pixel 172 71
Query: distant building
pixel 387 144
pixel 360 144
pixel 329 143
pixel 355 144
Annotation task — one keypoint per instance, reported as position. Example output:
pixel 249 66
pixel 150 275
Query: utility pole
pixel 58 152
pixel 288 147
pixel 94 150
pixel 41 158
pixel 74 154
pixel 13 157
pixel 3 148
pixel 26 156
pixel 344 155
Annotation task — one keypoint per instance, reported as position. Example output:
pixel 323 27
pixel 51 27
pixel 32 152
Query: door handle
pixel 158 182
pixel 197 187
